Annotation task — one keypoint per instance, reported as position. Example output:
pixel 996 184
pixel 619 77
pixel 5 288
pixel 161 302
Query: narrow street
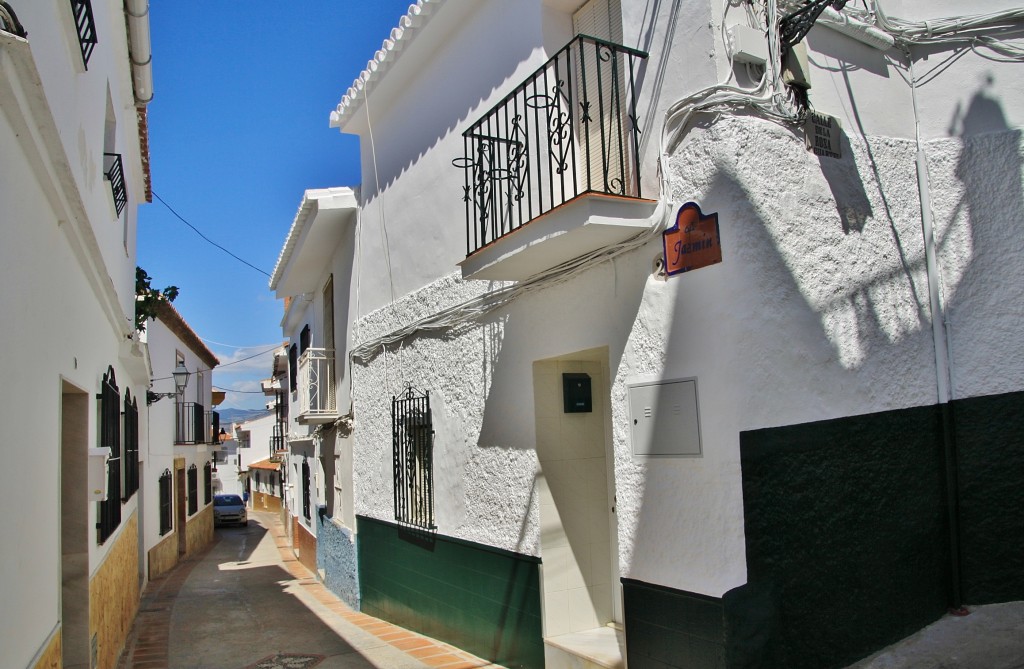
pixel 247 603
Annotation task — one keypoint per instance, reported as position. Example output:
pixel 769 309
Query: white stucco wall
pixel 67 302
pixel 820 308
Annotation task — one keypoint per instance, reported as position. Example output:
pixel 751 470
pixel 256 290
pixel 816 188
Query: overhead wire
pixel 207 239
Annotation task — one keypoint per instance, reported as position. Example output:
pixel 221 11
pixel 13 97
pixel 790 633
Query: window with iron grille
pixel 207 482
pixel 306 512
pixel 193 490
pixel 165 502
pixel 413 434
pixel 131 445
pixel 305 339
pixel 280 483
pixel 86 27
pixel 110 437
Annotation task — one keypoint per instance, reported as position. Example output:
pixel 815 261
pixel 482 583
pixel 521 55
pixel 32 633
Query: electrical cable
pixel 194 228
pixel 217 343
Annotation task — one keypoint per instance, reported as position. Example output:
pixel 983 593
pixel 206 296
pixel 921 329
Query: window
pixel 293 367
pixel 413 435
pixel 208 481
pixel 110 437
pixel 305 490
pixel 165 502
pixel 193 490
pixel 131 446
pixel 86 26
pixel 305 339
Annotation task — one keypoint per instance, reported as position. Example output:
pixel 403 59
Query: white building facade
pixel 73 170
pixel 183 435
pixel 655 340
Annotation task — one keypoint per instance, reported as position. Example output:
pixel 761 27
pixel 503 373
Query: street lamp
pixel 180 375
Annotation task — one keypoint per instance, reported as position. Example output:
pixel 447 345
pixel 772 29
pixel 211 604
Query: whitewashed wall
pixel 67 309
pixel 818 310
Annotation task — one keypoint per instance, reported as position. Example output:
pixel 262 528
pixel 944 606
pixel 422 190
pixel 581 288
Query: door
pixel 605 151
pixel 575 485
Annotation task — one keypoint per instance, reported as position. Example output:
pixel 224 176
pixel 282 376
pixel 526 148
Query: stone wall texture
pixel 52 655
pixel 338 560
pixel 163 556
pixel 114 596
pixel 199 531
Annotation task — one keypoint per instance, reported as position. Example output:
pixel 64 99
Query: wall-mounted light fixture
pixel 180 375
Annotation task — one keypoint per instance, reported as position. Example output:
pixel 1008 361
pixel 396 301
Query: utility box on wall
pixel 663 417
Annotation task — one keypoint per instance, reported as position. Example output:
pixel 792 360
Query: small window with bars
pixel 109 512
pixel 165 502
pixel 193 490
pixel 208 482
pixel 131 446
pixel 413 435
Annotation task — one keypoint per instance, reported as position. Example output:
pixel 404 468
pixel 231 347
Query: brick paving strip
pixel 147 647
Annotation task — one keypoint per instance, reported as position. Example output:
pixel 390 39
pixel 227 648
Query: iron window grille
pixel 190 423
pixel 306 511
pixel 110 437
pixel 413 435
pixel 208 482
pixel 86 28
pixel 571 128
pixel 113 170
pixel 193 490
pixel 131 445
pixel 280 483
pixel 165 502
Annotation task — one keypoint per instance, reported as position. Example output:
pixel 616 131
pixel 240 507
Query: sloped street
pixel 246 602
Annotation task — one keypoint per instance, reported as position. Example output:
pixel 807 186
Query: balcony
pixel 553 170
pixel 315 387
pixel 190 424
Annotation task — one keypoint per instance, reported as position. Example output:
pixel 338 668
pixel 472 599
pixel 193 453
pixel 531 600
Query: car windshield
pixel 227 500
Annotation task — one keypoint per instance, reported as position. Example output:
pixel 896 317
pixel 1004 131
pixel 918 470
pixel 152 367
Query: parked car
pixel 229 509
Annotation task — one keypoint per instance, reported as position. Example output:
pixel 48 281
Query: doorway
pixel 579 547
pixel 74 527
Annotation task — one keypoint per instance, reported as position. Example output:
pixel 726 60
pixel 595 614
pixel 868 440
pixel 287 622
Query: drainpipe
pixel 140 50
pixel 942 360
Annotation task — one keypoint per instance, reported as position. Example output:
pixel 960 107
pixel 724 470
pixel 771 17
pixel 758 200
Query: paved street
pixel 247 603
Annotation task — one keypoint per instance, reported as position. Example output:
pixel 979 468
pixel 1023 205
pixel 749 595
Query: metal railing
pixel 86 27
pixel 190 423
pixel 113 170
pixel 316 383
pixel 571 128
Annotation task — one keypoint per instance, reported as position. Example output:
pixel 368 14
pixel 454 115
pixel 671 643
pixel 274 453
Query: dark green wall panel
pixel 480 599
pixel 847 533
pixel 671 628
pixel 990 445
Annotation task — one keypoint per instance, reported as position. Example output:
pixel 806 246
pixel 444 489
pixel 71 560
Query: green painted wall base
pixel 477 598
pixel 847 523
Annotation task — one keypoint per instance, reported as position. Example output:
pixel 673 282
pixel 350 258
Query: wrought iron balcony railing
pixel 316 393
pixel 114 172
pixel 86 27
pixel 190 423
pixel 570 129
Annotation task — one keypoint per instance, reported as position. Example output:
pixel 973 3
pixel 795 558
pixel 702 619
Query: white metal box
pixel 664 420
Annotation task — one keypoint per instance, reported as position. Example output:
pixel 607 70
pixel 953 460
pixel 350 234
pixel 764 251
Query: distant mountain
pixel 228 416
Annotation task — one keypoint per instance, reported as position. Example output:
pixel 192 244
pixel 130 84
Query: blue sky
pixel 238 130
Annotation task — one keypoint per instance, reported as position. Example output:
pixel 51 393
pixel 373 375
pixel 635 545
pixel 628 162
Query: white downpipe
pixel 141 50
